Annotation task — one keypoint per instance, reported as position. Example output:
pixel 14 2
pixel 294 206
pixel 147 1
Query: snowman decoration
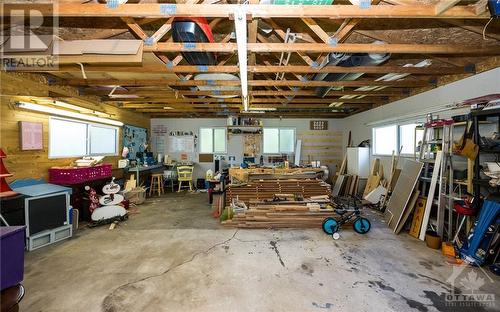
pixel 110 208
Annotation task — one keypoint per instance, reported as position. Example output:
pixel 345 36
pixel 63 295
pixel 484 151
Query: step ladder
pixel 438 136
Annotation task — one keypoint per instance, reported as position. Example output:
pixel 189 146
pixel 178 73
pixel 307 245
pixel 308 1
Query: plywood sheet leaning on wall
pixel 402 192
pixel 325 146
pixel 408 210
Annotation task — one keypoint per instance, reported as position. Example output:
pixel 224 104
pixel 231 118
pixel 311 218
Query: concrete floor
pixel 174 256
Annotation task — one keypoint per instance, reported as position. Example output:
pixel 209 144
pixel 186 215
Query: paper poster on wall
pixel 159 138
pixel 31 135
pixel 136 139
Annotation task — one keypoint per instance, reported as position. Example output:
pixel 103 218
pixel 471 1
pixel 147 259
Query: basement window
pixel 385 140
pixel 213 140
pixel 278 140
pixel 409 137
pixel 74 138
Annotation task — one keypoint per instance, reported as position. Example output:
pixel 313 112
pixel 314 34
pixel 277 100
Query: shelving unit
pixel 244 129
pixel 478 182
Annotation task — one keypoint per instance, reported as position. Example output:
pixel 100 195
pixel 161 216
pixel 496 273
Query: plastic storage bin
pixel 12 240
pixel 76 175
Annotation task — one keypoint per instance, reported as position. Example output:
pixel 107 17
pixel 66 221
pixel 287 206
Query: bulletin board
pixel 136 139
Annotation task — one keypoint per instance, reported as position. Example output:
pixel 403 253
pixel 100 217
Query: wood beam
pixel 321 47
pixel 436 70
pixel 292 83
pixel 135 27
pixel 163 30
pixel 188 106
pixel 165 92
pixel 311 23
pixel 171 100
pixel 151 10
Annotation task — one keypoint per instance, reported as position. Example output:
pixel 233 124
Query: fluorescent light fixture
pixel 240 25
pixel 268 109
pixel 336 104
pixel 65 113
pixel 253 112
pixel 80 109
pixel 387 77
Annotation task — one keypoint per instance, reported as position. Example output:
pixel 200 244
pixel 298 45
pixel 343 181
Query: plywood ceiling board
pixel 109 46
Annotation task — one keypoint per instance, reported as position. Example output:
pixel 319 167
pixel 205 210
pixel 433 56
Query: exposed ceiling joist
pixel 322 47
pixel 385 69
pixel 292 83
pixel 151 10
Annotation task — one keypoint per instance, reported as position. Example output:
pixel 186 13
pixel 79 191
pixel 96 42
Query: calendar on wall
pixel 318 125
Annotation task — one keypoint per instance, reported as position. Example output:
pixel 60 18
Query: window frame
pixel 398 139
pixel 87 138
pixel 414 138
pixel 279 140
pixel 213 140
pixel 374 140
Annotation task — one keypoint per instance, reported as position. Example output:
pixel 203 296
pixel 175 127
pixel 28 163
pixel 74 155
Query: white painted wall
pixel 485 83
pixel 235 142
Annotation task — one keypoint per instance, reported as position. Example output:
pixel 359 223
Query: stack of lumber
pixel 297 215
pixel 252 174
pixel 266 189
pixel 404 197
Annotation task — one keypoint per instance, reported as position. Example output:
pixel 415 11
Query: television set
pixel 46 212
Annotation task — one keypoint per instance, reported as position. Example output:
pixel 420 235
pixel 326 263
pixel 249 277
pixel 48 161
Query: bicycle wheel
pixel 330 226
pixel 361 225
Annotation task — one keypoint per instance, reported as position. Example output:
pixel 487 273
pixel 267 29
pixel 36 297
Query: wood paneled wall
pixel 35 164
pixel 325 146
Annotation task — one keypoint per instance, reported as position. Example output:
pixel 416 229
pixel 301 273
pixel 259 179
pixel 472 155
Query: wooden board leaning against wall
pixel 35 164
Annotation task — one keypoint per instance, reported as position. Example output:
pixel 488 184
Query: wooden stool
pixel 156 184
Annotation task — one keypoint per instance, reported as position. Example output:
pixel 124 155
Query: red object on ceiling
pixel 202 23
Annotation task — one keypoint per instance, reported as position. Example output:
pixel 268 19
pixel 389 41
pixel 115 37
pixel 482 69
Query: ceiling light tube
pixel 240 25
pixel 268 109
pixel 65 113
pixel 81 109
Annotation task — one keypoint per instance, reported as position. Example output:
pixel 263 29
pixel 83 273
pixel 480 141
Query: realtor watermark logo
pixel 471 280
pixel 28 35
